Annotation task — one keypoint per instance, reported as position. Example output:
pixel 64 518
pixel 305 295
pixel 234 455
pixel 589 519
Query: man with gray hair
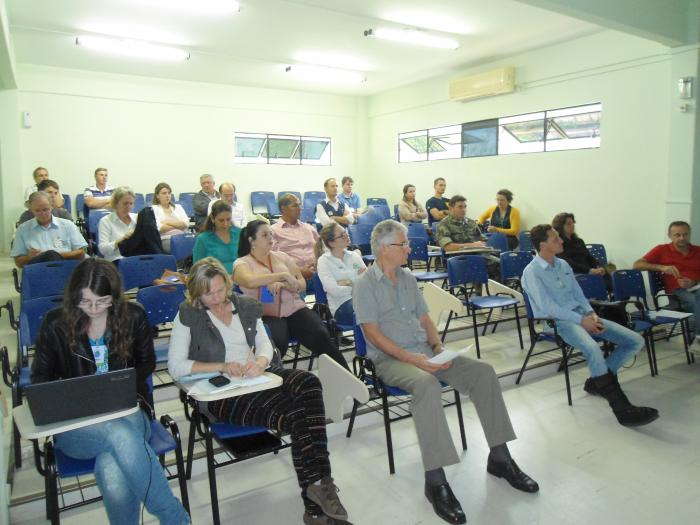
pixel 401 338
pixel 200 202
pixel 45 237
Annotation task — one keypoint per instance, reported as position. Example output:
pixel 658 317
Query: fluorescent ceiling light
pixel 195 6
pixel 135 31
pixel 428 20
pixel 325 74
pixel 414 36
pixel 132 48
pixel 333 60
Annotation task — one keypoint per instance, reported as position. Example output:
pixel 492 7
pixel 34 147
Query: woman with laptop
pixel 97 330
pixel 220 331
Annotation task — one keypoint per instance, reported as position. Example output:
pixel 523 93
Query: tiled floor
pixel 590 469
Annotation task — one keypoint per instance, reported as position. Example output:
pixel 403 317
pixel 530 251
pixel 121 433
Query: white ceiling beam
pixel 670 22
pixel 8 79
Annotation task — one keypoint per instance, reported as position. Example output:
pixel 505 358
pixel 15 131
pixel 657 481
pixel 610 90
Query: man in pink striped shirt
pixel 293 237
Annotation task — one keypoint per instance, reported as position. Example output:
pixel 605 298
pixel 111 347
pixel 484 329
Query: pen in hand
pixel 249 359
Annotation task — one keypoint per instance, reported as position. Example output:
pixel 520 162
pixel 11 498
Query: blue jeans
pixel 627 343
pixel 127 470
pixel 690 302
pixel 344 313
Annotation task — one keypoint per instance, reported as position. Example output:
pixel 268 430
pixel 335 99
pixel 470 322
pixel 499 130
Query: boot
pixel 626 413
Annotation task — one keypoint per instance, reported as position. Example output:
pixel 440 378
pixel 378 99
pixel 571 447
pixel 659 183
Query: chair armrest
pixel 6 370
pixel 15 278
pixel 169 423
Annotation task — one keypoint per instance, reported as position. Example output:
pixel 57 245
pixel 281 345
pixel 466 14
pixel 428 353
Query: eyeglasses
pixel 401 244
pixel 104 302
pixel 344 234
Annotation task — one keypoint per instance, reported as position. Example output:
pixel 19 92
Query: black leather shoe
pixel 513 475
pixel 444 503
pixel 589 386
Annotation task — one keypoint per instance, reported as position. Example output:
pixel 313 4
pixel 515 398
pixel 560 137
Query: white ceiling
pixel 253 46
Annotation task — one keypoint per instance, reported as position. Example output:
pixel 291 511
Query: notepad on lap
pixel 204 387
pixel 448 355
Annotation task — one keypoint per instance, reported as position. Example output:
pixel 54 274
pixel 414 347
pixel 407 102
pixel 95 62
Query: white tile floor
pixel 590 469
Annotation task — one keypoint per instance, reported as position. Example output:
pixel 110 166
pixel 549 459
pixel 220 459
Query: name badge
pixel 58 244
pixel 100 353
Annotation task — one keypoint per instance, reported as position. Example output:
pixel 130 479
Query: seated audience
pixel 219 331
pixel 45 237
pixel 503 218
pixel 338 269
pixel 347 197
pixel 57 210
pixel 437 204
pixel 38 174
pixel 554 292
pixel 171 218
pixel 679 261
pixel 124 234
pixel 574 251
pixel 275 280
pixel 333 210
pixel 410 210
pixel 97 330
pixel 400 339
pixel 200 202
pixel 295 238
pixel 457 232
pixel 228 194
pixel 220 237
pixel 99 195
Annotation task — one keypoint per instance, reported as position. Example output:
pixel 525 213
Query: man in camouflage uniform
pixel 456 232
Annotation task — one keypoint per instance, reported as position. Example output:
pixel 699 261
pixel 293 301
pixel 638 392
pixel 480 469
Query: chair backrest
pixel 46 279
pixel 397 218
pixel 94 220
pixel 360 343
pixel 80 205
pixel 141 270
pixel 466 269
pixel 513 264
pixel 139 202
pixel 369 218
pixel 67 203
pixel 598 251
pixel 185 200
pixel 440 301
pixel 280 194
pixel 524 242
pixel 181 245
pixel 497 240
pixel 592 286
pixel 319 292
pixel 419 249
pixel 380 210
pixel 161 302
pixel 311 198
pixel 31 315
pixel 656 283
pixel 377 200
pixel 528 306
pixel 417 230
pixel 361 234
pixel 308 215
pixel 628 283
pixel 149 199
pixel 260 201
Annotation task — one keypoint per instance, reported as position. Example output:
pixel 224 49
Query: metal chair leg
pixel 387 430
pixel 212 476
pixel 460 418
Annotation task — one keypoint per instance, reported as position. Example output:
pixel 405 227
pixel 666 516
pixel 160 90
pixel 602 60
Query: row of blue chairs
pixel 140 202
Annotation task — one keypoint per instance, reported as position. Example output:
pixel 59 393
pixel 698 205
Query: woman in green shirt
pixel 219 237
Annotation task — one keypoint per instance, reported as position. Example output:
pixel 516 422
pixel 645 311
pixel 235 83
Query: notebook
pixel 83 396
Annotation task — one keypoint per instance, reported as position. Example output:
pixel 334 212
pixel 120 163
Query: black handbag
pixel 615 311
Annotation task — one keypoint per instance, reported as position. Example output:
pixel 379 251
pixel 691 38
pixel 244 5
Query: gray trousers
pixel 467 376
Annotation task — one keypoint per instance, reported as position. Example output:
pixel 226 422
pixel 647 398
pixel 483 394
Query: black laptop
pixel 81 396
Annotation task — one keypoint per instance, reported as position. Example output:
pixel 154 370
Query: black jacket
pixel 54 360
pixel 577 255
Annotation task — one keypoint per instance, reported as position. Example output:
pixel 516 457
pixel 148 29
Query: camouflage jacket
pixel 451 230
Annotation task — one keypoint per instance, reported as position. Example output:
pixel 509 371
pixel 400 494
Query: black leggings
pixel 295 407
pixel 306 327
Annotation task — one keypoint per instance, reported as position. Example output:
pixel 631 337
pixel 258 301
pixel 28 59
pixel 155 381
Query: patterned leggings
pixel 295 407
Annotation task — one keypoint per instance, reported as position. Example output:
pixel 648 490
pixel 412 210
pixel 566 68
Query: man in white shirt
pixel 331 209
pixel 227 191
pixel 39 174
pixel 99 195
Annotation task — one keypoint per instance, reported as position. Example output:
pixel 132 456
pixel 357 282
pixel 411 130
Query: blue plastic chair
pixel 360 235
pixel 149 199
pixel 182 245
pixel 281 194
pixel 371 201
pixel 139 202
pixel 185 200
pixel 397 218
pixel 80 206
pixel 419 252
pixel 466 270
pixel 94 219
pixel 264 203
pixel 592 286
pixel 161 303
pixel 312 198
pixel 417 230
pixel 369 219
pixel 321 307
pixel 497 240
pixel 365 370
pixel 598 251
pixel 67 203
pixel 380 210
pixel 512 266
pixel 46 279
pixel 524 243
pixel 141 270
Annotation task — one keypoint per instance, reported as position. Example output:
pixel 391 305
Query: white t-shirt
pixel 179 213
pixel 237 213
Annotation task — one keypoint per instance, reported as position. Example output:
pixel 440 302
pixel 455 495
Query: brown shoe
pixel 322 519
pixel 325 495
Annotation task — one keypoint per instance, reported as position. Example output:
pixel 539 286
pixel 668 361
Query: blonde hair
pixel 119 194
pixel 199 279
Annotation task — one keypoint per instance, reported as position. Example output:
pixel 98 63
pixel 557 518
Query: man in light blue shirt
pixel 347 197
pixel 45 237
pixel 553 292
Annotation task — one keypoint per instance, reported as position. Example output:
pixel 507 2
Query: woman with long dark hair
pixel 172 218
pixel 575 252
pixel 275 280
pixel 410 210
pixel 219 237
pixel 97 330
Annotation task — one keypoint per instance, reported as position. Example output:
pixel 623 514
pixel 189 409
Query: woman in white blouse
pixel 171 218
pixel 118 225
pixel 337 269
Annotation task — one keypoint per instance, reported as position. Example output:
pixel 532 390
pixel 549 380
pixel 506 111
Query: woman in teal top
pixel 219 237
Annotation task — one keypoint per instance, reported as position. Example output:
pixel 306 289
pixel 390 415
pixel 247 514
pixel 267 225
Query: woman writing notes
pixel 219 331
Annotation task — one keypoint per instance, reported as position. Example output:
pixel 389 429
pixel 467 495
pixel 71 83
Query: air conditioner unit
pixel 495 82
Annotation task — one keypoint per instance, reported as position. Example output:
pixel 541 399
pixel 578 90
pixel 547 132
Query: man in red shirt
pixel 680 263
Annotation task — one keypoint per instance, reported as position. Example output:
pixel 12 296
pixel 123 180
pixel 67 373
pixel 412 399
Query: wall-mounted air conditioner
pixel 487 84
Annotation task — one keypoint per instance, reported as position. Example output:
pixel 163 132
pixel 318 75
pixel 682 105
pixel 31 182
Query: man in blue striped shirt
pixel 554 292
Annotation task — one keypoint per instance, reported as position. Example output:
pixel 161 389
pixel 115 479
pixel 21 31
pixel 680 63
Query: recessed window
pixel 413 146
pixel 263 148
pixel 445 143
pixel 521 134
pixel 573 128
pixel 480 139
